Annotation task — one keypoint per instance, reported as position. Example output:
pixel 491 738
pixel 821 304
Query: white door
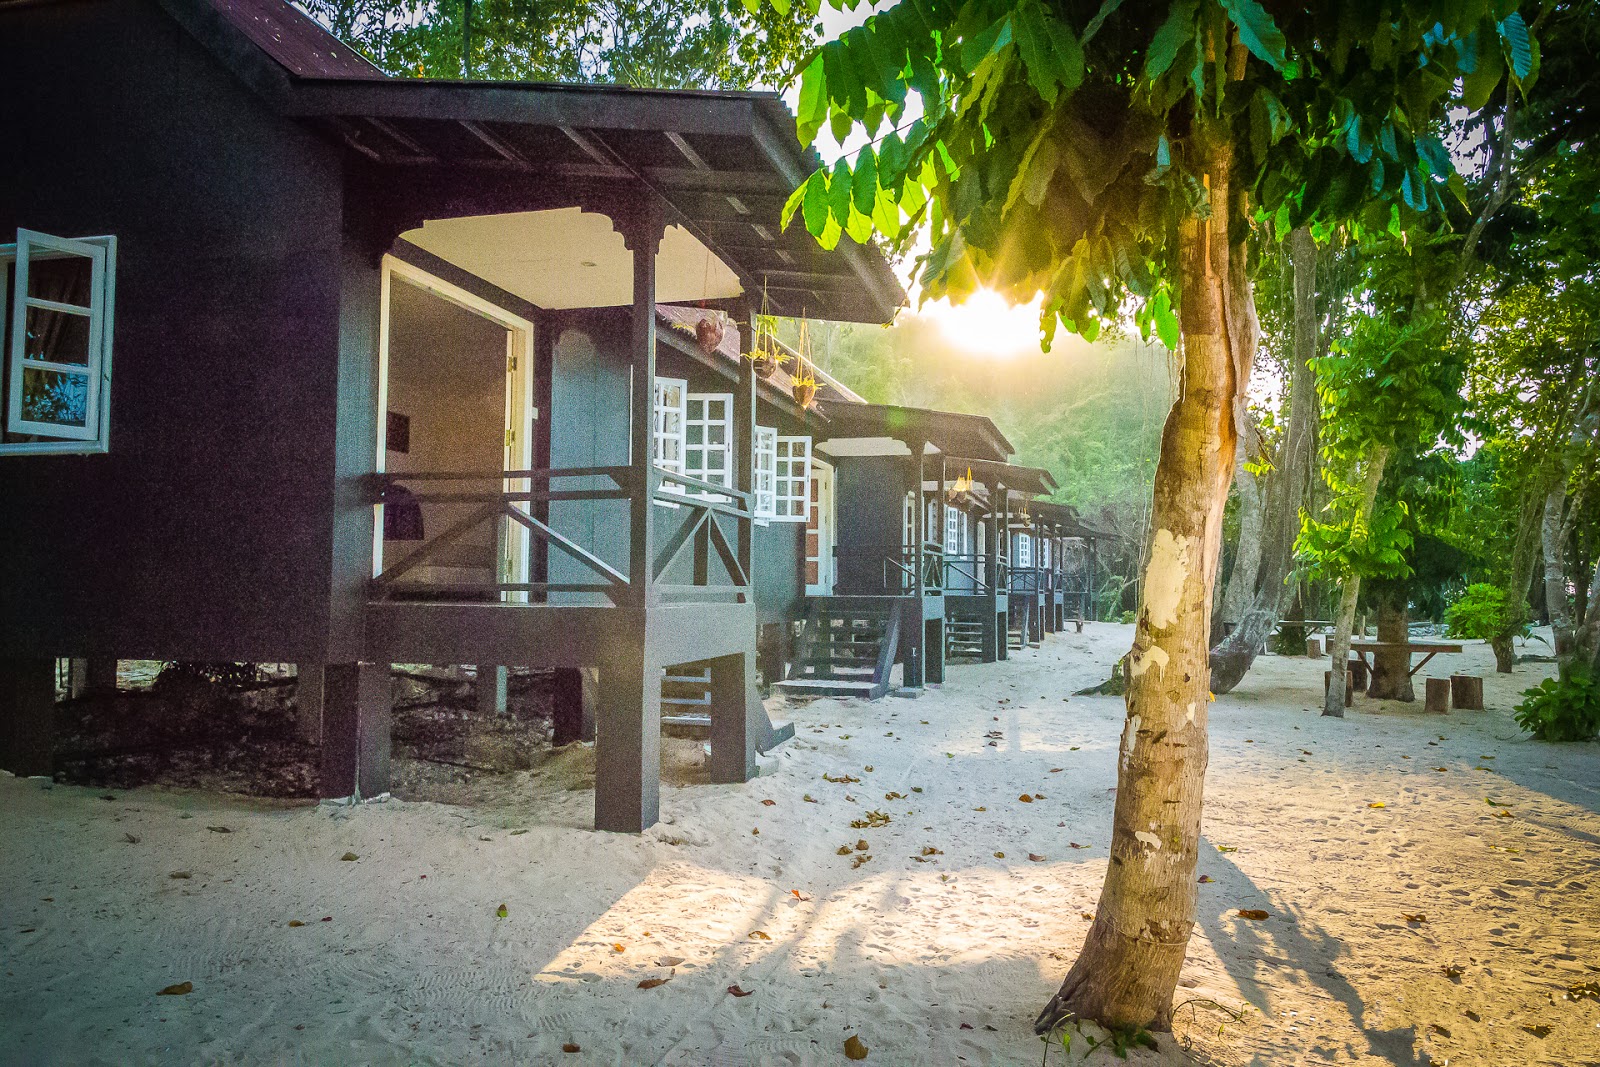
pixel 821 531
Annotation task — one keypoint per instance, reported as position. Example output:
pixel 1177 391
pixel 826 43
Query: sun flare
pixel 985 324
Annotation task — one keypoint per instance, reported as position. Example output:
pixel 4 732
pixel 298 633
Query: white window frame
pixel 696 456
pixel 765 470
pixel 952 530
pixel 1024 551
pixel 94 435
pixel 792 483
pixel 667 427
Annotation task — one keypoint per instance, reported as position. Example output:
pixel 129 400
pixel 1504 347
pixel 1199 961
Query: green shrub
pixel 1483 613
pixel 1566 708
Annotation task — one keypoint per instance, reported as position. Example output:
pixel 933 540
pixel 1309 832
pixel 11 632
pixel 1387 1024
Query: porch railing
pixel 505 501
pixel 1027 580
pixel 967 574
pixel 888 570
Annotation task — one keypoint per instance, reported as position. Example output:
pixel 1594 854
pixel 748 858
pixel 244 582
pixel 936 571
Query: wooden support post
pixel 572 700
pixel 1437 695
pixel 627 747
pixel 641 229
pixel 355 731
pixel 96 674
pixel 1466 692
pixel 933 650
pixel 1313 648
pixel 27 716
pixel 744 439
pixel 491 686
pixel 734 732
pixel 1349 694
pixel 309 680
pixel 913 674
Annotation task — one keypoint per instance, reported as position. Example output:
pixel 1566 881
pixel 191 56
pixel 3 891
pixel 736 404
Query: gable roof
pixel 723 163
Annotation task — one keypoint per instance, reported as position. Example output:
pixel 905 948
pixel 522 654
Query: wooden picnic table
pixel 1431 648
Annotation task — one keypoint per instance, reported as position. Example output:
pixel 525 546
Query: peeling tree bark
pixel 1129 966
pixel 1350 592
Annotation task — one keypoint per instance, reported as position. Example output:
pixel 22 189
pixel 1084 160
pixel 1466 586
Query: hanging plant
pixel 767 355
pixel 805 390
pixel 804 384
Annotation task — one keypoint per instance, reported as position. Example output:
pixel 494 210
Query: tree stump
pixel 1356 672
pixel 1313 648
pixel 1466 692
pixel 1437 695
pixel 1349 693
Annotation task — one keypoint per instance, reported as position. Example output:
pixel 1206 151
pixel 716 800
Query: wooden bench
pixel 1428 648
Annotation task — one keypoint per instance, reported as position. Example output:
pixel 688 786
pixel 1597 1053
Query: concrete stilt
pixel 491 688
pixel 27 715
pixel 355 730
pixel 734 728
pixel 627 771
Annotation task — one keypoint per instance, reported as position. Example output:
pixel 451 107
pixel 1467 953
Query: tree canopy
pixel 695 44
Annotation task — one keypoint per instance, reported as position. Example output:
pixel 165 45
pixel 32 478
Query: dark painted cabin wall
pixel 587 426
pixel 869 501
pixel 206 532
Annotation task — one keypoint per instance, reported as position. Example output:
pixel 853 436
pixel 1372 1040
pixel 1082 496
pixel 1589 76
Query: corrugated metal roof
pixel 295 40
pixel 687 318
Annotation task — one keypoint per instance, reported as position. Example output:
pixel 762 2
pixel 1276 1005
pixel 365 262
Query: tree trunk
pixel 1350 592
pixel 1552 537
pixel 1240 592
pixel 1128 969
pixel 1391 668
pixel 1505 653
pixel 1286 487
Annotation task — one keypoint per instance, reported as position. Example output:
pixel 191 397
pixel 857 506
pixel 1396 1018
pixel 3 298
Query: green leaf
pixel 1479 85
pixel 1258 32
pixel 1174 33
pixel 986 44
pixel 813 109
pixel 1094 24
pixel 1515 33
pixel 815 204
pixel 792 204
pixel 1166 321
pixel 840 188
pixel 780 6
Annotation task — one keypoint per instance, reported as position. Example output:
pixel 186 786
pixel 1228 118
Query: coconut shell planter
pixel 805 391
pixel 708 333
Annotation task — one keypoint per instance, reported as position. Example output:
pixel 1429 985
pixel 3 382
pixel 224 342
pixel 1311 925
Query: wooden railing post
pixel 744 436
pixel 641 229
pixel 919 515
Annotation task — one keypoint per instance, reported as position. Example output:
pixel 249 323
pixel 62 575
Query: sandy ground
pixel 940 958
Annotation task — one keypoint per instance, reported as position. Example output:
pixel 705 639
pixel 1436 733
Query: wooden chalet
pixel 875 556
pixel 398 378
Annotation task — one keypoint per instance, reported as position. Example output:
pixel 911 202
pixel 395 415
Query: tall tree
pixel 693 44
pixel 1111 157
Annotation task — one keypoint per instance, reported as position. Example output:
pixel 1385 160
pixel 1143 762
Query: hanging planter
pixel 709 331
pixel 805 390
pixel 768 355
pixel 804 384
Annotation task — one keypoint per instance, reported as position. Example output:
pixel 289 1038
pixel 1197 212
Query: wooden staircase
pixel 686 709
pixel 1017 636
pixel 963 635
pixel 846 649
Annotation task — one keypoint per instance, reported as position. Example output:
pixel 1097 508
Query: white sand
pixel 415 967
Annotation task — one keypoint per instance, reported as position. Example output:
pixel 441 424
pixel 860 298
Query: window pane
pixel 55 397
pixel 57 336
pixel 697 433
pixel 64 280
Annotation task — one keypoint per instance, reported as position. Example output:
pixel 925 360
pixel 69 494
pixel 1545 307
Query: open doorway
pixel 454 398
